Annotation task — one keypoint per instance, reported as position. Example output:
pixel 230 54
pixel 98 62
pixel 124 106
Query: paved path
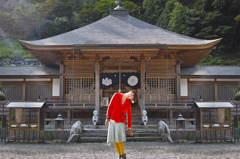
pixel 134 150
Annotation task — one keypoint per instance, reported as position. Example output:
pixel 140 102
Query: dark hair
pixel 135 96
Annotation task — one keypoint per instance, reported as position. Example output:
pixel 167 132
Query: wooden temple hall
pixel 83 68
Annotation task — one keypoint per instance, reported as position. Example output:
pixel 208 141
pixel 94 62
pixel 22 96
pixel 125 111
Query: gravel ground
pixel 134 150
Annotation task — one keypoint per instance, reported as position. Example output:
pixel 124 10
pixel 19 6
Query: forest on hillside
pixel 203 19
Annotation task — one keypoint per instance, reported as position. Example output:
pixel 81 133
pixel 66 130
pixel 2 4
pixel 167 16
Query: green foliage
pixel 77 4
pixel 10 48
pixel 237 97
pixel 134 9
pixel 164 18
pixel 63 8
pixel 2 97
pixel 177 22
pixel 5 22
pixel 237 18
pixel 50 28
pixel 88 14
pixel 204 19
pixel 93 12
pixel 153 10
pixel 46 29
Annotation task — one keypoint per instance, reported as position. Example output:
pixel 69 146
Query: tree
pixel 63 24
pixel 46 29
pixel 153 10
pixel 164 17
pixel 5 23
pixel 91 13
pixel 177 22
pixel 88 14
pixel 63 8
pixel 134 9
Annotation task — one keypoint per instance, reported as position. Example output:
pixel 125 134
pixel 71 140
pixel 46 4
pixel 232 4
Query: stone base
pixel 74 138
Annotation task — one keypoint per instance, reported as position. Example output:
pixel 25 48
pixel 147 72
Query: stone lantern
pixel 180 122
pixel 59 128
pixel 59 122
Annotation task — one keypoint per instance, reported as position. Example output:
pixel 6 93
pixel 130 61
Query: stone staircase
pixel 98 133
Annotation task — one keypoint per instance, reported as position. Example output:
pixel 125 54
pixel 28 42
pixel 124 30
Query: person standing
pixel 115 120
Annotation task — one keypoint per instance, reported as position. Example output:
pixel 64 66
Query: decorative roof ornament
pixel 119 5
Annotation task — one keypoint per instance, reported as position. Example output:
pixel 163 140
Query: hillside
pixel 203 19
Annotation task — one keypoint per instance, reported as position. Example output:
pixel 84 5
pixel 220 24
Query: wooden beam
pixel 90 74
pixel 116 71
pixel 155 74
pixel 80 54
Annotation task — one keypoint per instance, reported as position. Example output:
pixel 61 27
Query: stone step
pixel 93 135
pixel 129 139
pixel 135 121
pixel 144 134
pixel 105 108
pixel 133 126
pixel 140 139
pixel 97 134
pixel 145 130
pixel 90 130
pixel 133 115
pixel 92 139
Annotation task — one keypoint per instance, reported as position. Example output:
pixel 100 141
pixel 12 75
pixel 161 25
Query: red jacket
pixel 116 109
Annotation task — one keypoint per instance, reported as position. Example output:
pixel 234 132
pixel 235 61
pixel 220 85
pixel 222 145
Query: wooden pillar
pixel 24 90
pixel 120 81
pixel 178 80
pixel 142 85
pixel 61 95
pixel 97 85
pixel 215 91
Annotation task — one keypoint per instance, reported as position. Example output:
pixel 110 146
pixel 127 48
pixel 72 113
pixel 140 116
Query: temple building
pixel 83 68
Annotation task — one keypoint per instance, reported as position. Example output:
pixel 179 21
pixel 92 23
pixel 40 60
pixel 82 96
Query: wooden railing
pixel 66 104
pixel 173 104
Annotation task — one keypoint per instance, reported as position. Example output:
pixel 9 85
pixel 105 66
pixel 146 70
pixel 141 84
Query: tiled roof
pixel 28 70
pixel 119 30
pixel 211 70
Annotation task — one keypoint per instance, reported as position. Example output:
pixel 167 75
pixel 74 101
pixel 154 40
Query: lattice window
pixel 162 86
pixel 31 115
pixel 13 92
pixel 226 92
pixel 204 92
pixel 208 115
pixel 79 86
pixel 35 92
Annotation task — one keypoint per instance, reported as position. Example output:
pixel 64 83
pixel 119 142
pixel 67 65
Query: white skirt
pixel 116 132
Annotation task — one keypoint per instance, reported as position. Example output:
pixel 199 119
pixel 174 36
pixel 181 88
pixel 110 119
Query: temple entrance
pixel 107 94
